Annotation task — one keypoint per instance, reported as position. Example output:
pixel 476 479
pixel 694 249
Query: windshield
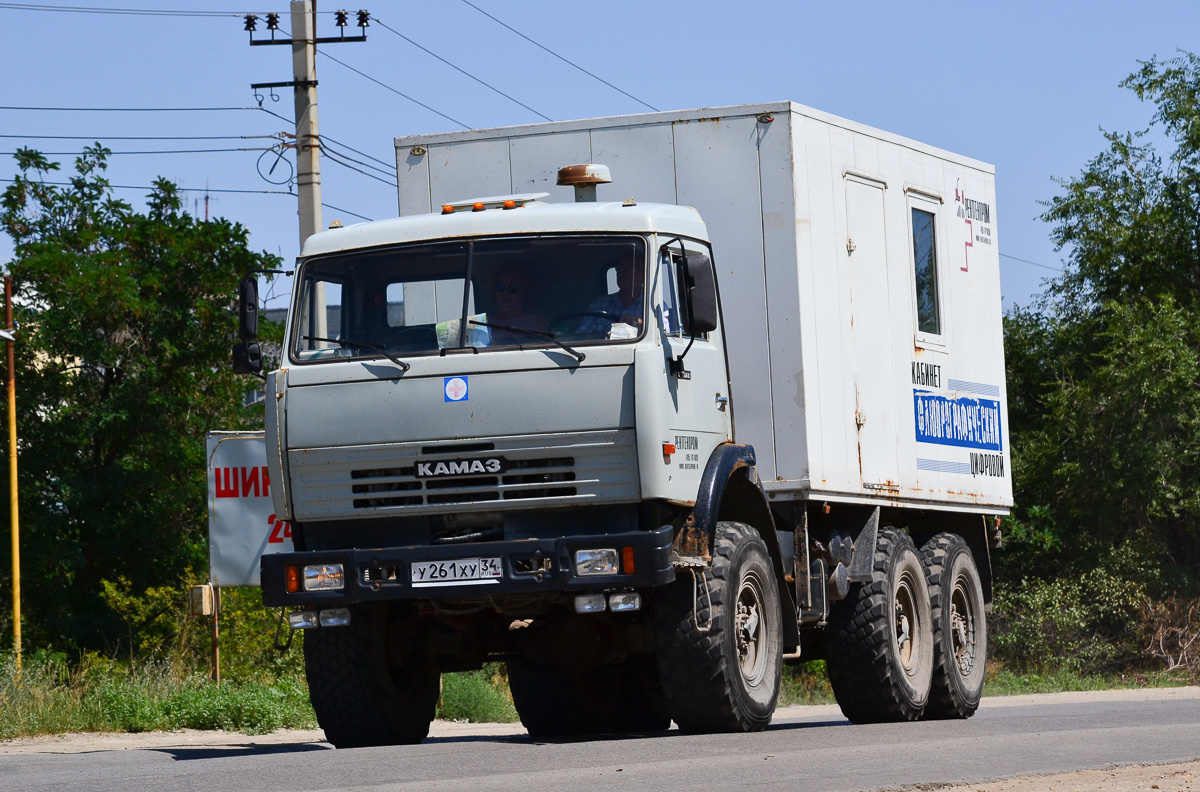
pixel 487 294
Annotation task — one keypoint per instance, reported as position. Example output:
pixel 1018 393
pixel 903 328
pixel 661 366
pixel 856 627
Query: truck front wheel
pixel 719 638
pixel 370 682
pixel 959 627
pixel 879 646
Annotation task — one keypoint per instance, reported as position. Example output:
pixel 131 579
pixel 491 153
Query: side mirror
pixel 248 308
pixel 247 358
pixel 700 302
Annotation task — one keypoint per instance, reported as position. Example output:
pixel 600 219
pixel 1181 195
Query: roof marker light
pixel 447 209
pixel 478 207
pixel 510 204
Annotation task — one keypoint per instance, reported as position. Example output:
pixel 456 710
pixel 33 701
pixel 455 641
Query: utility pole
pixel 304 42
pixel 308 142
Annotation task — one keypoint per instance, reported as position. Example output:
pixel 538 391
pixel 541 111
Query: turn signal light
pixel 291 579
pixel 627 560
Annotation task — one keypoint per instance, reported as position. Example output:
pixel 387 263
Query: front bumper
pixel 529 566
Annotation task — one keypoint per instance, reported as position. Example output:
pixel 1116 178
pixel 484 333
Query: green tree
pixel 122 365
pixel 1104 369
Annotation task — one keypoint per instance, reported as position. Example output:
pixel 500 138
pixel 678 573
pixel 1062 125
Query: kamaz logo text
pixel 459 467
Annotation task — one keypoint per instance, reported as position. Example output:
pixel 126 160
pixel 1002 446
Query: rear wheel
pixel 719 638
pixel 366 689
pixel 561 702
pixel 880 638
pixel 959 627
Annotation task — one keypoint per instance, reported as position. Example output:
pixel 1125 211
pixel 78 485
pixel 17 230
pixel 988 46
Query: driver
pixel 510 287
pixel 626 304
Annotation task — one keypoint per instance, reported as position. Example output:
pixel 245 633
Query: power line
pixel 390 88
pixel 178 188
pixel 118 153
pixel 258 108
pixel 459 69
pixel 124 11
pixel 345 211
pixel 384 171
pixel 140 137
pixel 391 166
pixel 1031 263
pixel 335 159
pixel 560 57
pixel 131 109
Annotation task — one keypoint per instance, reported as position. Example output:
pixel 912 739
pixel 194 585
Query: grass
pixel 805 683
pixel 47 697
pixel 1001 682
pixel 50 697
pixel 808 683
pixel 97 694
pixel 477 696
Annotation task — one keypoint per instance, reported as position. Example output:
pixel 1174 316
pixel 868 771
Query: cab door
pixel 700 415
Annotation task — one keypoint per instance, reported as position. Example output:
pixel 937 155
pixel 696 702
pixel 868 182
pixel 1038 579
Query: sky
pixel 1026 86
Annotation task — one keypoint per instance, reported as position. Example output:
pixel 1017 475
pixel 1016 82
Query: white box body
pixel 811 221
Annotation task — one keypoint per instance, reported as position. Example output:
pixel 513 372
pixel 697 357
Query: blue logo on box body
pixel 963 422
pixel 455 388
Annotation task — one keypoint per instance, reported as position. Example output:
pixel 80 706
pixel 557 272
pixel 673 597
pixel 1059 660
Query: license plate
pixel 460 571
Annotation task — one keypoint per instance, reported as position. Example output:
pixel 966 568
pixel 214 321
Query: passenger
pixel 626 304
pixel 510 287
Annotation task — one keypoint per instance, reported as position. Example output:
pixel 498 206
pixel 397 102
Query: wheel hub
pixel 962 629
pixel 907 649
pixel 749 630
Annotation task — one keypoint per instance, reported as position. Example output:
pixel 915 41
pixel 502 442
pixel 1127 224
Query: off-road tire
pixel 879 643
pixel 364 694
pixel 720 664
pixel 564 702
pixel 959 628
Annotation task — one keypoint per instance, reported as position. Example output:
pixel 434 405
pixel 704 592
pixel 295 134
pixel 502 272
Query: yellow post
pixel 12 472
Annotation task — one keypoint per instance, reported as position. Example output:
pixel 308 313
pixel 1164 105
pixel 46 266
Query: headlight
pixel 335 617
pixel 302 620
pixel 624 601
pixel 589 603
pixel 596 562
pixel 324 577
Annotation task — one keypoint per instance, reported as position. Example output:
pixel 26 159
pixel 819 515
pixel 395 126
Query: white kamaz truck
pixel 727 394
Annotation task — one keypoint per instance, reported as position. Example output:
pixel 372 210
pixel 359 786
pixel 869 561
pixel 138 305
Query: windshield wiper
pixel 346 342
pixel 579 356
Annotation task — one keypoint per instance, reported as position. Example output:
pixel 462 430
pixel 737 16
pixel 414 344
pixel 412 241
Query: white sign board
pixel 241 518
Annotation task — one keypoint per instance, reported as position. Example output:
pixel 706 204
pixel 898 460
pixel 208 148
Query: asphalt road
pixel 805 749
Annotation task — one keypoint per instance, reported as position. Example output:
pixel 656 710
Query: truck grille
pixel 345 482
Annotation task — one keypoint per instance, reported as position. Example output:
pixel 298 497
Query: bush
pixel 1171 632
pixel 806 683
pixel 1085 625
pixel 477 696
